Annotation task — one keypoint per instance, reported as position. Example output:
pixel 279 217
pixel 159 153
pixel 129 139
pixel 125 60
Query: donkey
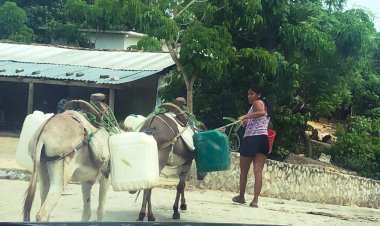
pixel 61 151
pixel 172 151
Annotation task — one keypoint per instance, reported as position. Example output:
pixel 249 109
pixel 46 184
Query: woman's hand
pixel 223 130
pixel 242 118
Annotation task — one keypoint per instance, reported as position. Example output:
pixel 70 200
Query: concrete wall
pixel 138 97
pixel 303 183
pixel 108 41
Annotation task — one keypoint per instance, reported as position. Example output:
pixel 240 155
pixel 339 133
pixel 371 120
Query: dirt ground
pixel 8 147
pixel 203 206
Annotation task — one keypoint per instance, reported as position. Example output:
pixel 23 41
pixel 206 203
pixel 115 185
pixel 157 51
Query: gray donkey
pixel 172 151
pixel 61 152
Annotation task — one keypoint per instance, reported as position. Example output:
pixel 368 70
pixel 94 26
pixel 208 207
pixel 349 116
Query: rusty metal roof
pixel 101 67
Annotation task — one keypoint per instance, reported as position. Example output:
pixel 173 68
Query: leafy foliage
pixel 357 147
pixel 13 23
pixel 68 32
pixel 147 43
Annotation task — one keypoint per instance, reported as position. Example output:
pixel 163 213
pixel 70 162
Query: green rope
pixel 233 137
pixel 194 122
pixel 107 121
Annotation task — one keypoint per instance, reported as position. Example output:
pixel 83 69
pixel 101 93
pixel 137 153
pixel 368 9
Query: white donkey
pixel 61 149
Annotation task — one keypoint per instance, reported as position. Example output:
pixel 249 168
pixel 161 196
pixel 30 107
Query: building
pixel 36 77
pixel 107 39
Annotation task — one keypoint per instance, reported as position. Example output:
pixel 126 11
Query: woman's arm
pixel 260 111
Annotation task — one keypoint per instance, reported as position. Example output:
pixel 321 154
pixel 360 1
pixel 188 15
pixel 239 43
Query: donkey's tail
pixel 30 192
pixel 138 193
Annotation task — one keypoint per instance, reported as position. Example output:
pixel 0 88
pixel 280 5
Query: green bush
pixel 357 147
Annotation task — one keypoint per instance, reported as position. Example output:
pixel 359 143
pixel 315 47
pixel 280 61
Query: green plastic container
pixel 211 151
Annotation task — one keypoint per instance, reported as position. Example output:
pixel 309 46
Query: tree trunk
pixel 306 140
pixel 189 98
pixel 189 91
pixel 189 81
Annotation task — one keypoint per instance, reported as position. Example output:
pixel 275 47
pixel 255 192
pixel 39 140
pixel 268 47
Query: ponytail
pixel 259 90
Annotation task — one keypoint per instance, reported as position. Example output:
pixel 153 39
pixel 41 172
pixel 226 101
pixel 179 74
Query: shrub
pixel 357 147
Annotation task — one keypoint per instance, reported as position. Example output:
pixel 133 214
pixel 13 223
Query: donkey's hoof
pixel 176 215
pixel 141 217
pixel 132 192
pixel 151 218
pixel 183 207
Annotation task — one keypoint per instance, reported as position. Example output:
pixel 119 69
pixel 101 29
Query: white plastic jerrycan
pixel 134 161
pixel 31 123
pixel 134 122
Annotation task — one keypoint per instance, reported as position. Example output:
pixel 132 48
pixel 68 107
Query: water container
pixel 134 161
pixel 271 136
pixel 211 151
pixel 134 121
pixel 31 123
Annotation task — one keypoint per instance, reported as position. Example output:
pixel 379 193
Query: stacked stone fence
pixel 300 182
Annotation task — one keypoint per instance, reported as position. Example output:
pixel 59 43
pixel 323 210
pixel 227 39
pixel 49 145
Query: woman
pixel 255 147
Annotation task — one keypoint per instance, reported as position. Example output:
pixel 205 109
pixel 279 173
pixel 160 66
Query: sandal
pixel 238 199
pixel 254 205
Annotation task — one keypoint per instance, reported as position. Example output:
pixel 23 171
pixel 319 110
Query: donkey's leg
pixel 183 205
pixel 181 189
pixel 176 214
pixel 150 212
pixel 55 170
pixel 143 205
pixel 103 188
pixel 86 193
pixel 182 179
pixel 44 182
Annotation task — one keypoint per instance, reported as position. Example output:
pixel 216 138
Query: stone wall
pixel 300 182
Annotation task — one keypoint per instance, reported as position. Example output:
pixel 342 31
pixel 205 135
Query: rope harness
pixel 175 138
pixel 86 139
pixel 171 142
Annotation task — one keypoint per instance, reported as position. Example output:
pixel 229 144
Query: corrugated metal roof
pixel 79 65
pixel 58 72
pixel 118 60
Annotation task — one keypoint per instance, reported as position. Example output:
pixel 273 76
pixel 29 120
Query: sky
pixel 371 5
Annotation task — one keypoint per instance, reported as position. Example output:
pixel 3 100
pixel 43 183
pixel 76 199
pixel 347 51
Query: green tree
pixel 13 23
pixel 147 43
pixel 69 32
pixel 198 48
pixel 357 146
pixel 304 54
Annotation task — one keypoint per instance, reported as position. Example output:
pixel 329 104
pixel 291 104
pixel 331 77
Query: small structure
pixel 107 39
pixel 37 77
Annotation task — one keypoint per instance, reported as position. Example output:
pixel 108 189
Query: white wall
pixel 107 40
pixel 110 40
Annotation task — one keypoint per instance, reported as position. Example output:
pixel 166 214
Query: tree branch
pixel 186 7
pixel 174 56
pixel 204 14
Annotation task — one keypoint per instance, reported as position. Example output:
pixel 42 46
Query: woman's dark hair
pixel 256 89
pixel 259 90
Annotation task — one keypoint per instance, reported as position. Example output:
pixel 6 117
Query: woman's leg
pixel 258 165
pixel 245 163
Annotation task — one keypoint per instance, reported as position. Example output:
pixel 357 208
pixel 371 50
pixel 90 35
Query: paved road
pixel 203 206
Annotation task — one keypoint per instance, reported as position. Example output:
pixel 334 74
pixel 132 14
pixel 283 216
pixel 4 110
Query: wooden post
pixel 30 98
pixel 111 100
